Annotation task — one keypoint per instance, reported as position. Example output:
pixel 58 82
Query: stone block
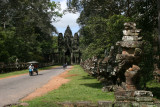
pixel 133 32
pixel 135 104
pixel 105 104
pixel 136 34
pixel 130 87
pixel 124 98
pixel 129 93
pixel 129 27
pixel 83 104
pixel 124 93
pixel 130 38
pixel 128 33
pixel 66 104
pixel 157 104
pixel 142 93
pixel 130 24
pixel 130 44
pixel 136 30
pixel 122 104
pixel 120 93
pixel 120 98
pixel 107 88
pixel 146 104
pixel 144 99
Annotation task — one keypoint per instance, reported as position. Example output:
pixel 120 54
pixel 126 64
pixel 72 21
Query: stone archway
pixel 67 57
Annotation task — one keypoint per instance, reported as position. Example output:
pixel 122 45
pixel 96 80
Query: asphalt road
pixel 16 88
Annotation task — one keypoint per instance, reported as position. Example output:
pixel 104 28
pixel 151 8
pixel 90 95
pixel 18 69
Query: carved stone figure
pixel 128 68
pixel 131 46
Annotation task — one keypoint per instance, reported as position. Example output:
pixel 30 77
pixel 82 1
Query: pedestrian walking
pixel 30 70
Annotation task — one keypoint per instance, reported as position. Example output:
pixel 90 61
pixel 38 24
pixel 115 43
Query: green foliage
pixel 100 33
pixel 115 26
pixel 154 87
pixel 6 37
pixel 26 30
pixel 55 42
pixel 145 13
pixel 146 64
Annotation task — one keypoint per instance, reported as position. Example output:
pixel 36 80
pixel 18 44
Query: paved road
pixel 13 89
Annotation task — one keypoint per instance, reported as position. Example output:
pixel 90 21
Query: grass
pixel 81 88
pixel 154 87
pixel 21 72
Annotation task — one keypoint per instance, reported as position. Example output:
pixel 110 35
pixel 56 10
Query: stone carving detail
pixel 131 46
pixel 119 70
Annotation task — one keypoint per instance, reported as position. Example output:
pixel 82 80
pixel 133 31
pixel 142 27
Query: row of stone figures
pixel 102 69
pixel 119 70
pixel 120 61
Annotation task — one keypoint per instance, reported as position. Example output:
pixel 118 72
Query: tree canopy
pixel 26 29
pixel 103 19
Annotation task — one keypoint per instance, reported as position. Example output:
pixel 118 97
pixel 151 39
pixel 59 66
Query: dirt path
pixel 53 84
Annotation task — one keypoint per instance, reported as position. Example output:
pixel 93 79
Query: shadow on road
pixel 37 75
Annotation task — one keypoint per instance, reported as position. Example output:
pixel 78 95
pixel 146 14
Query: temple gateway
pixel 68 48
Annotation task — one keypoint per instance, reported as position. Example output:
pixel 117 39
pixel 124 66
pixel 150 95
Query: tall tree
pixel 158 6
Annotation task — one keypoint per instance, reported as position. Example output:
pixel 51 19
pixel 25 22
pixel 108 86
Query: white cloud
pixel 63 4
pixel 67 19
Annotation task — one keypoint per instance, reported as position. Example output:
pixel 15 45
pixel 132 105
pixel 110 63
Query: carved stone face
pixel 127 51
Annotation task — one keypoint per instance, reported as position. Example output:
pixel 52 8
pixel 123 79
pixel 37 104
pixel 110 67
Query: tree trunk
pixel 158 6
pixel 4 25
pixel 128 6
pixel 71 58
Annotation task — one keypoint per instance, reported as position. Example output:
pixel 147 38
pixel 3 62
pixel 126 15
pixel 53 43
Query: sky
pixel 67 19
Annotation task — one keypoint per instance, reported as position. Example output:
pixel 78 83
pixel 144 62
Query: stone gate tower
pixel 68 48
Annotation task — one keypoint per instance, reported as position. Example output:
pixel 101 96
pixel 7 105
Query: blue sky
pixel 67 19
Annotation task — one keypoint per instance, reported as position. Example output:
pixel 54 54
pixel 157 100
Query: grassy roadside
pixel 80 88
pixel 22 72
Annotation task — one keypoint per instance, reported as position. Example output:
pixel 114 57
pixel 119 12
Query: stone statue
pixel 128 59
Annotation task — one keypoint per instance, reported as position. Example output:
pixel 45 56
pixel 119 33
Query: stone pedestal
pixel 130 80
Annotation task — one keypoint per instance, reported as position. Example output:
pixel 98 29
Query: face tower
pixel 68 47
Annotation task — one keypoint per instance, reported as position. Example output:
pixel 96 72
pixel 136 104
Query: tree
pixel 100 34
pixel 158 6
pixel 27 28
